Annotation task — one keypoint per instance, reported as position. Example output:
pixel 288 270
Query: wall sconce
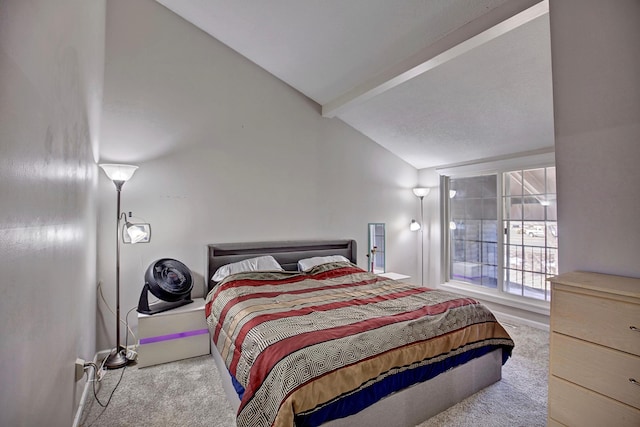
pixel 414 226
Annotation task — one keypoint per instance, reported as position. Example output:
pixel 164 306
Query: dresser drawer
pixel 597 319
pixel 553 423
pixel 572 405
pixel 595 367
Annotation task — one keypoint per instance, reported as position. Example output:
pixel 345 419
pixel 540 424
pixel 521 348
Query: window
pixel 502 229
pixel 531 231
pixel 474 230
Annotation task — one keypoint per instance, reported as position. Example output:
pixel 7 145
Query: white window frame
pixel 541 159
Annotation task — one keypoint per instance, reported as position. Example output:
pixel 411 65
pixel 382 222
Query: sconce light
pixel 452 194
pixel 414 226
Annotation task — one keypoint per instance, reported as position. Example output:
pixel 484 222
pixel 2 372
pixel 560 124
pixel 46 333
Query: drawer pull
pixel 634 329
pixel 634 382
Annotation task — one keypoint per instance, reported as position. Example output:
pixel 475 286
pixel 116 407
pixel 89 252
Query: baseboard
pixel 102 354
pixel 87 386
pixel 508 318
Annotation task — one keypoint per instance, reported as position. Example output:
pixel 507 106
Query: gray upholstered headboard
pixel 287 253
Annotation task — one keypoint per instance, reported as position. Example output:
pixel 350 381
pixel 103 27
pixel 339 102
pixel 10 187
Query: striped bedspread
pixel 308 348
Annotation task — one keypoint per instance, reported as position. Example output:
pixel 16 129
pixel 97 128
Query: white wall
pixel 596 91
pixel 228 153
pixel 596 69
pixel 51 69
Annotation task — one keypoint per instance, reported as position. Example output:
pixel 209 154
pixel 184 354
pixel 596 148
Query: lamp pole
pixel 117 358
pixel 422 241
pixel 421 192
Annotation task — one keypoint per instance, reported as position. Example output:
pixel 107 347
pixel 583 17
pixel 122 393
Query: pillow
pixel 308 263
pixel 261 263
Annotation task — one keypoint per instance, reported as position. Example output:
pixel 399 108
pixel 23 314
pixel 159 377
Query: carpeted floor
pixel 188 393
pixel 519 399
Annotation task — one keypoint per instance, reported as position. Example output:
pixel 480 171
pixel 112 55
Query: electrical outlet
pixel 79 369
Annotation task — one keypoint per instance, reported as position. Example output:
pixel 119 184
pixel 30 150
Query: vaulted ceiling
pixel 437 82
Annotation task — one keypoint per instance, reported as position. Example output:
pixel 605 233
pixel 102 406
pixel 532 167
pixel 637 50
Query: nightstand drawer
pixel 609 321
pixel 169 351
pixel 173 335
pixel 598 368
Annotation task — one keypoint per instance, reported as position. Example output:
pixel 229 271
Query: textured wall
pixel 228 153
pixel 51 69
pixel 596 91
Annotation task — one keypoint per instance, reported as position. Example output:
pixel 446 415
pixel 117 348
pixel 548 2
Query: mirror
pixel 376 248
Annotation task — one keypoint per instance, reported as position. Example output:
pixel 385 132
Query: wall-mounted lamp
pixel 120 174
pixel 420 192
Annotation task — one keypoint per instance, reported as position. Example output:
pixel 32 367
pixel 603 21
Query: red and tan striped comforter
pixel 323 345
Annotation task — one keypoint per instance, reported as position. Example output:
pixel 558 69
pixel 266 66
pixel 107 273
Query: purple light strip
pixel 170 337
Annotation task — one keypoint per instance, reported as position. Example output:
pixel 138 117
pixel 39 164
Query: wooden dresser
pixel 594 362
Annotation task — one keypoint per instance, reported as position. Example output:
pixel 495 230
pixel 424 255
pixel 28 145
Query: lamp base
pixel 116 359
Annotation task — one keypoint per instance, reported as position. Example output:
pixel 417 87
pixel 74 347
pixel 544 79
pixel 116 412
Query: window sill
pixel 526 304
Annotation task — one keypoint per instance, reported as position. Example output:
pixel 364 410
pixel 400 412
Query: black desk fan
pixel 169 280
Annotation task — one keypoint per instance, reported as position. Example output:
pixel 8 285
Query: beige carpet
pixel 188 393
pixel 519 399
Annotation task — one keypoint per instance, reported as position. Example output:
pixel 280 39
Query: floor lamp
pixel 421 192
pixel 120 174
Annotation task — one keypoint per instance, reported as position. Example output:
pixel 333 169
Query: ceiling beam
pixel 483 29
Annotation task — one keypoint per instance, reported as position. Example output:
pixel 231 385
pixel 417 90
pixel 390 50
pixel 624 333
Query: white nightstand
pixel 173 335
pixel 394 276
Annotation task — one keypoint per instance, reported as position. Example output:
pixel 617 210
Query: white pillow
pixel 308 263
pixel 261 263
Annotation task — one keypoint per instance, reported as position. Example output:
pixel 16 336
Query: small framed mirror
pixel 376 248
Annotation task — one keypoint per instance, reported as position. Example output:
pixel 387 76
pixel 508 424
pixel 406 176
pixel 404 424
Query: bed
pixel 338 346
